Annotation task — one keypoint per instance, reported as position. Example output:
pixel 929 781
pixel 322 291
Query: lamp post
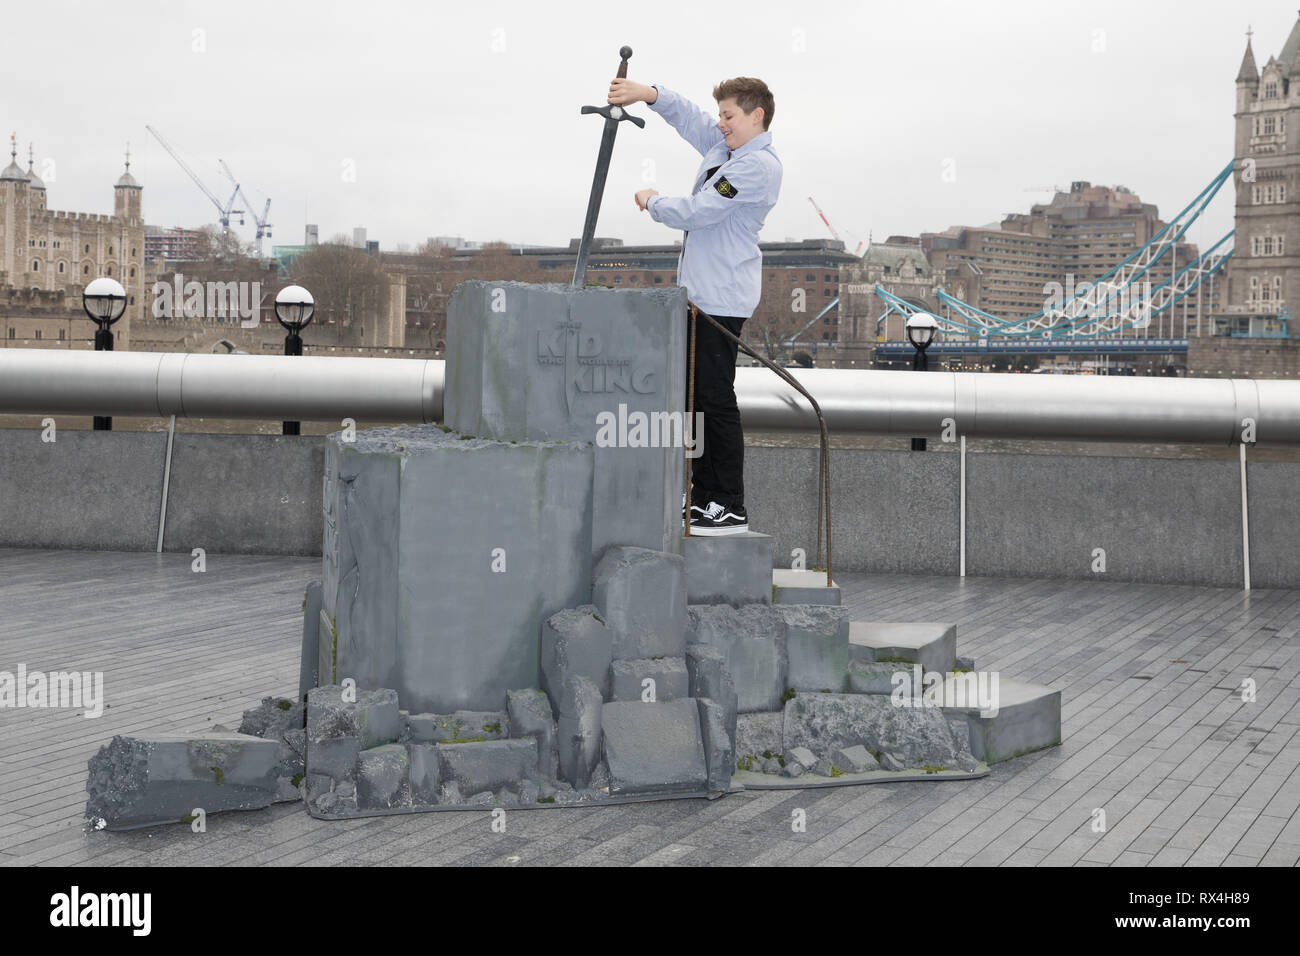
pixel 921 330
pixel 104 300
pixel 294 308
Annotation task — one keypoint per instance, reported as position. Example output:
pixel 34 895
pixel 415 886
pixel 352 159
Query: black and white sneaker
pixel 717 520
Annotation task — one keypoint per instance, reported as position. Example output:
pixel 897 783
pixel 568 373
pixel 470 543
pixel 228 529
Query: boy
pixel 720 265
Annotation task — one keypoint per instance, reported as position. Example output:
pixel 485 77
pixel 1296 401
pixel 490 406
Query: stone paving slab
pixel 1154 732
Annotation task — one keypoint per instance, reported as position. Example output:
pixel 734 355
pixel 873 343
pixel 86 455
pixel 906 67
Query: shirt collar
pixel 761 141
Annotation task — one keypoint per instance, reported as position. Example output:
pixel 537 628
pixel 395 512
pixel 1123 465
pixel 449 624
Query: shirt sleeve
pixel 693 124
pixel 737 184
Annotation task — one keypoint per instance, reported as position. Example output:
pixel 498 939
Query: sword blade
pixel 593 201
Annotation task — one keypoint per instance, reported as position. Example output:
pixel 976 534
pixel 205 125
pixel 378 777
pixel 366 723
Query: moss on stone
pixel 788 696
pixel 283 704
pixel 221 775
pixel 297 779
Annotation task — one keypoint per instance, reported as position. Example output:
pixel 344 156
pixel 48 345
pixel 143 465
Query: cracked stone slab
pixel 654 748
pixel 137 781
pixel 641 595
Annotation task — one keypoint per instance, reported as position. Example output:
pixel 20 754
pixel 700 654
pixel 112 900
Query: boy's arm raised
pixel 692 123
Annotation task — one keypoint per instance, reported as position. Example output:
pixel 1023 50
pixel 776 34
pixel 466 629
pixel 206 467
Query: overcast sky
pixel 462 118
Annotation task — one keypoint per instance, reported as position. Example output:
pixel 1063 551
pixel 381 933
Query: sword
pixel 613 115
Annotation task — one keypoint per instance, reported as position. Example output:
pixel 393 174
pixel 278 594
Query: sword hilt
pixel 615 113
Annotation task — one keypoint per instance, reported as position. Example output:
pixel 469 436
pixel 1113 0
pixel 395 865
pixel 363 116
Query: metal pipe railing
pixel 980 405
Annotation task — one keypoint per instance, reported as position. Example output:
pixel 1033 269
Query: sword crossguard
pixel 615 113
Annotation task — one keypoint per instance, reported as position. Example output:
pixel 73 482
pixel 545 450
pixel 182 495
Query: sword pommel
pixel 626 53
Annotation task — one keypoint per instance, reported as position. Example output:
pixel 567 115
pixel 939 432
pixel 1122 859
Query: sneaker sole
pixel 718 532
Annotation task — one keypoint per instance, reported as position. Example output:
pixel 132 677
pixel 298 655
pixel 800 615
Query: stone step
pixel 730 569
pixel 932 645
pixel 803 587
pixel 1028 718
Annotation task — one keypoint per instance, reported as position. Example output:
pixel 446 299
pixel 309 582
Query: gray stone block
pixel 641 595
pixel 889 761
pixel 706 669
pixel 309 660
pixel 578 730
pixel 395 497
pixel 803 587
pixel 425 773
pixel 964 664
pixel 760 732
pixel 752 641
pixel 730 569
pixel 719 752
pixel 576 643
pixel 817 646
pixel 383 778
pixel 1027 718
pixel 668 673
pixel 373 716
pixel 871 677
pixel 772 765
pixel 917 736
pixel 824 767
pixel 489 765
pixel 800 755
pixel 654 748
pixel 530 716
pixel 933 646
pixel 137 781
pixel 334 757
pixel 546 362
pixel 273 718
pixel 855 759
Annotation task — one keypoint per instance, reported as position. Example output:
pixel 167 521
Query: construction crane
pixel 263 227
pixel 856 251
pixel 223 212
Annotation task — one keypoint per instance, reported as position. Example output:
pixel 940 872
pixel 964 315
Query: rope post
pixel 690 415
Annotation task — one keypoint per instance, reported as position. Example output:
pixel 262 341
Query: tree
pixel 346 283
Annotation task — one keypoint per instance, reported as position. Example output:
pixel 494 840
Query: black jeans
pixel 718 473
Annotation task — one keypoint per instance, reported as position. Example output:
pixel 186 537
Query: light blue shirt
pixel 720 263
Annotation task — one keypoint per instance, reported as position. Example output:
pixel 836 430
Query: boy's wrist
pixel 652 95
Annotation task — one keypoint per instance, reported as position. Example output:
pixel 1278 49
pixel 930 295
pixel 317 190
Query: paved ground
pixel 1155 732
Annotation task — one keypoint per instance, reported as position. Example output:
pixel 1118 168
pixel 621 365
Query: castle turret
pixel 126 194
pixel 34 182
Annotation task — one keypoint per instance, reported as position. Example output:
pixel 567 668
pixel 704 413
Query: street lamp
pixel 104 300
pixel 294 308
pixel 921 330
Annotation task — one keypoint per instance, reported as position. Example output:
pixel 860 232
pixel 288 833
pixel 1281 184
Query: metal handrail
pixel 978 405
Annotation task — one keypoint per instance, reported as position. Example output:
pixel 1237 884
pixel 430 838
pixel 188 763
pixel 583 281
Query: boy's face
pixel 737 126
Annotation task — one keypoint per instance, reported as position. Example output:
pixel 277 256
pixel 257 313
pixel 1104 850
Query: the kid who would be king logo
pixel 587 369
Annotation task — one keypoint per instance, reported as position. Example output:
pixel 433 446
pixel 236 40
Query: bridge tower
pixel 1264 272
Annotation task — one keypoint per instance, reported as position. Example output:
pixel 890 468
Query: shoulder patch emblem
pixel 726 188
